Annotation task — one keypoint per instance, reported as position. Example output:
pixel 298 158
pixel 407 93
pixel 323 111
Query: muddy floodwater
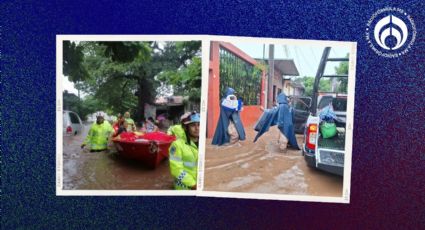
pixel 84 170
pixel 262 167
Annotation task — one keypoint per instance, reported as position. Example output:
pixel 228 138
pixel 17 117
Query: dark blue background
pixel 388 172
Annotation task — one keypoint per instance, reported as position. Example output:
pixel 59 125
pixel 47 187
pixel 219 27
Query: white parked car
pixel 72 124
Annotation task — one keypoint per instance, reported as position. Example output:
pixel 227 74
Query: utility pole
pixel 270 77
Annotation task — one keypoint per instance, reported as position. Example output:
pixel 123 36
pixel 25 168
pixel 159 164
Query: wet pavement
pixel 243 167
pixel 83 170
pixel 261 167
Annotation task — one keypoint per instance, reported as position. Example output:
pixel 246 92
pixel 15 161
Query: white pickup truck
pixel 326 154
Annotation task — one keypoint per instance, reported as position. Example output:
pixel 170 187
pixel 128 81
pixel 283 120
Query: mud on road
pixel 262 167
pixel 84 170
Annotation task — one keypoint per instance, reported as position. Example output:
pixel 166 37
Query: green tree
pixel 186 80
pixel 72 61
pixel 118 76
pixel 308 85
pixel 308 82
pixel 342 69
pixel 70 101
pixel 325 85
pixel 125 75
pixel 83 107
pixel 90 105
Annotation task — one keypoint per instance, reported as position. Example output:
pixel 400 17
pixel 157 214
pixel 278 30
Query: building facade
pixel 231 67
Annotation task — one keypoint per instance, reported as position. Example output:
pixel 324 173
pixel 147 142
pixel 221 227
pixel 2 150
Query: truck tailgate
pixel 336 143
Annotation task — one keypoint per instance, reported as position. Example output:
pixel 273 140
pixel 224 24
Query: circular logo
pixel 390 32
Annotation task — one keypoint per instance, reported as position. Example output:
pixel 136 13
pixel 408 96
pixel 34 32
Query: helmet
pixel 190 117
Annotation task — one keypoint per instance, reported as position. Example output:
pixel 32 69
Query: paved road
pixel 262 168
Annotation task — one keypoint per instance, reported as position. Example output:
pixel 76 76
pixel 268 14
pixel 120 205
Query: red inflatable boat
pixel 149 149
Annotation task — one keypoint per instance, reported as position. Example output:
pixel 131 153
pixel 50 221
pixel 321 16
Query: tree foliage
pixel 308 82
pixel 70 101
pixel 342 69
pixel 186 80
pixel 125 75
pixel 83 107
pixel 73 62
pixel 115 74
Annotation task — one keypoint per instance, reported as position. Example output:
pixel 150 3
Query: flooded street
pixel 83 170
pixel 262 168
pixel 244 167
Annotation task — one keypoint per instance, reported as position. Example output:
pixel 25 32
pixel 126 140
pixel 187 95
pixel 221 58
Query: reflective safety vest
pixel 178 131
pixel 183 164
pixel 130 121
pixel 98 135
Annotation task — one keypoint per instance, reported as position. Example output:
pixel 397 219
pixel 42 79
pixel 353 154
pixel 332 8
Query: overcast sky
pixel 306 57
pixel 67 85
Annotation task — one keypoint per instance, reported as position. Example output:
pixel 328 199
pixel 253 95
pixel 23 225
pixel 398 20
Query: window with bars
pixel 240 75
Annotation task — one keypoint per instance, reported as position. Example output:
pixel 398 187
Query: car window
pixel 339 104
pixel 324 102
pixel 301 103
pixel 74 118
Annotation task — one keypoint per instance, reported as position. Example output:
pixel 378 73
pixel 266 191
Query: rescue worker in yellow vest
pixel 130 122
pixel 98 135
pixel 177 131
pixel 184 154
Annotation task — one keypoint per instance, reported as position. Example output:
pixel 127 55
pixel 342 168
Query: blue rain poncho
pixel 282 116
pixel 221 136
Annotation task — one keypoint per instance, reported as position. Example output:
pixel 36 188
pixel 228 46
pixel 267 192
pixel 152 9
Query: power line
pixel 314 55
pixel 308 63
pixel 298 58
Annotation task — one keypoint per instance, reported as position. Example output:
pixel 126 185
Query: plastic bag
pixel 327 114
pixel 328 129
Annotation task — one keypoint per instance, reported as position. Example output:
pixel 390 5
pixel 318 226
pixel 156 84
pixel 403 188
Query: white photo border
pixel 205 40
pixel 59 116
pixel 345 198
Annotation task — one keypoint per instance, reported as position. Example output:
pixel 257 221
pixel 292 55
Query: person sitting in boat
pixel 150 125
pixel 131 125
pixel 163 122
pixel 98 135
pixel 122 128
pixel 120 119
pixel 119 115
pixel 184 154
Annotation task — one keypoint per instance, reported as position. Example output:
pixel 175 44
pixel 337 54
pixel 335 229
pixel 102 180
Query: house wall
pixel 251 113
pixel 287 87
